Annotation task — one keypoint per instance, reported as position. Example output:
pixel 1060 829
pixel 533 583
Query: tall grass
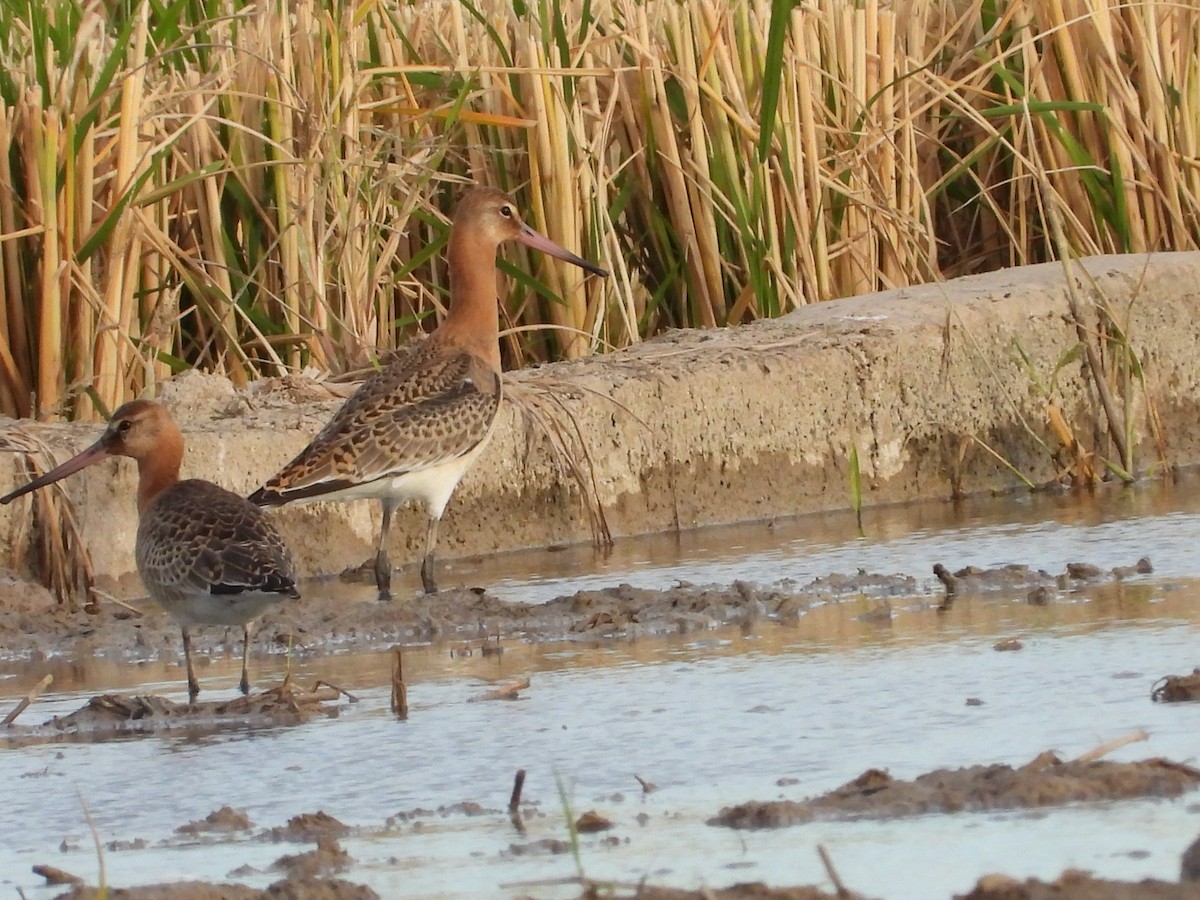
pixel 256 188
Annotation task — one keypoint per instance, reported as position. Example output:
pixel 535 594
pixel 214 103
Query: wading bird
pixel 206 555
pixel 413 428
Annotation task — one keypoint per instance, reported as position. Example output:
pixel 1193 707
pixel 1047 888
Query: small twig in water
pixel 648 787
pixel 109 598
pixel 341 690
pixel 55 875
pixel 514 801
pixel 842 890
pixel 399 688
pixel 28 698
pixel 508 692
pixel 102 880
pixel 1105 749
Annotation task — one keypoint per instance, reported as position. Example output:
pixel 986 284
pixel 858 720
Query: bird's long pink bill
pixel 92 454
pixel 531 238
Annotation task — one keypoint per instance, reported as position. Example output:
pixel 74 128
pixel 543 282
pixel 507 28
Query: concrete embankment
pixel 940 389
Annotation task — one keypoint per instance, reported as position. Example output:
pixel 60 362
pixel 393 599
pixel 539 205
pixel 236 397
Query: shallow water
pixel 711 719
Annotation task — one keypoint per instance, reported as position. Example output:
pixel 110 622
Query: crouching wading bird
pixel 414 427
pixel 206 555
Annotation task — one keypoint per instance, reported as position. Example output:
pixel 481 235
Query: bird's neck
pixel 159 470
pixel 473 321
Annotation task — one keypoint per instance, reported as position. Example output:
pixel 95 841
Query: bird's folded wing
pixel 398 421
pixel 212 539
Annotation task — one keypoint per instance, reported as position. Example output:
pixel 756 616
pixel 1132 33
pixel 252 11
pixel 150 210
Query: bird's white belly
pixel 432 486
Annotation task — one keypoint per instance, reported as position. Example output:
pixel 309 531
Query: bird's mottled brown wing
pixel 196 536
pixel 427 407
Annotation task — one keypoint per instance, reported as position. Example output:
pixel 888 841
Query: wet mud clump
pixel 975 580
pixel 287 889
pixel 1177 688
pixel 328 620
pixel 219 821
pixel 306 827
pixel 1045 781
pixel 108 715
pixel 327 859
pixel 1078 886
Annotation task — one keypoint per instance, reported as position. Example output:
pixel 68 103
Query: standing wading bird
pixel 414 427
pixel 206 555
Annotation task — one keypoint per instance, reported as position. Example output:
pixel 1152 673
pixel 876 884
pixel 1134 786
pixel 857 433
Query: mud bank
pixel 927 384
pixel 328 619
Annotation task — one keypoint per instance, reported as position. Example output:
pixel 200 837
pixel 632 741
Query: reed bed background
pixel 254 188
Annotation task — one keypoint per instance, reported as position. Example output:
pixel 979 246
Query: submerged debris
pixel 1045 781
pixel 221 820
pixel 108 716
pixel 1176 688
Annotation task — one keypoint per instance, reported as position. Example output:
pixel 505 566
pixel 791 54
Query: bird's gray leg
pixel 245 682
pixel 193 684
pixel 383 567
pixel 427 578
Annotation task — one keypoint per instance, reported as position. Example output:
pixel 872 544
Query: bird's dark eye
pixel 506 211
pixel 124 425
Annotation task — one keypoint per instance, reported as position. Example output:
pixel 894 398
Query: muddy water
pixel 711 719
pixel 1040 530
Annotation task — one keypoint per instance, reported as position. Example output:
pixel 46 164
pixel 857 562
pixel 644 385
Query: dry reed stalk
pixel 45 139
pixel 34 693
pixel 80 189
pixel 545 411
pixel 116 323
pixel 662 141
pixel 14 348
pixel 1104 749
pixel 61 557
pixel 302 84
pixel 549 155
pixel 699 176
